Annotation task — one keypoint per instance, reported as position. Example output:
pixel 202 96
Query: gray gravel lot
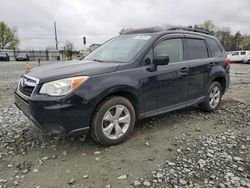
pixel 186 148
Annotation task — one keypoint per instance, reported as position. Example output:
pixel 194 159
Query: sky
pixel 100 20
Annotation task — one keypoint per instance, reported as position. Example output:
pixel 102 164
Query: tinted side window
pixel 171 47
pixel 196 49
pixel 214 48
pixel 242 53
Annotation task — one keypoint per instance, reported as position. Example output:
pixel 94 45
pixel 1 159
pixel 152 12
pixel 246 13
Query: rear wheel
pixel 213 97
pixel 113 122
pixel 248 62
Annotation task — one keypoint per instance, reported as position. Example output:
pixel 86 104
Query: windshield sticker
pixel 142 37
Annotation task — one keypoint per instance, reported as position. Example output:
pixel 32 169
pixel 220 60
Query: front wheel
pixel 113 122
pixel 213 97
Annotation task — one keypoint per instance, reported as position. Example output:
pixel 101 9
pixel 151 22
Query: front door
pixel 165 87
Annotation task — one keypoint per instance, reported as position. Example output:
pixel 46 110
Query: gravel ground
pixel 185 148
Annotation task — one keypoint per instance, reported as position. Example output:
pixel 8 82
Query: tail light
pixel 227 61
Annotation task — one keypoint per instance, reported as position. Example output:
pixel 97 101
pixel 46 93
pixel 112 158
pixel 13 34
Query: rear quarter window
pixel 214 47
pixel 196 49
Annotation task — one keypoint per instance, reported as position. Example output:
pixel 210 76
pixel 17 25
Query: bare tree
pixel 69 47
pixel 8 37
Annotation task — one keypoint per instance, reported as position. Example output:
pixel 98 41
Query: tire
pixel 213 97
pixel 248 62
pixel 113 122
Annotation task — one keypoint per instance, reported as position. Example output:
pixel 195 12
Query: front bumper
pixel 68 115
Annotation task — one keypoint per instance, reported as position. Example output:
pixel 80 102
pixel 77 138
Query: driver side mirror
pixel 161 60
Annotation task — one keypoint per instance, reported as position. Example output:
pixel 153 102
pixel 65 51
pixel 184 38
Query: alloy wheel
pixel 214 97
pixel 116 121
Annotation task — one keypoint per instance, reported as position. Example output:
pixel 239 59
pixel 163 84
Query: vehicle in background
pixel 240 57
pixel 22 57
pixel 4 57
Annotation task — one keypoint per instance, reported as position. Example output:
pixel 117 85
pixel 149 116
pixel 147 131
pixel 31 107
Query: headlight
pixel 62 87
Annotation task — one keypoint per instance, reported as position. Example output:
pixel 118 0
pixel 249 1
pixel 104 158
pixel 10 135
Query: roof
pixel 189 29
pixel 159 29
pixel 144 30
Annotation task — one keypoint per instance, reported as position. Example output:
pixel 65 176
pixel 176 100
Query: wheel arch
pixel 122 92
pixel 222 82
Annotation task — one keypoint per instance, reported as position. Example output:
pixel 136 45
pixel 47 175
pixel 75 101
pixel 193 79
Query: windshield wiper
pixel 98 60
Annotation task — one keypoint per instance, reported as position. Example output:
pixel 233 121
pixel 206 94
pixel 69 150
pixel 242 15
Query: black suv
pixel 139 74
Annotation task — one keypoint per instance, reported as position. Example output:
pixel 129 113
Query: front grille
pixel 27 85
pixel 26 90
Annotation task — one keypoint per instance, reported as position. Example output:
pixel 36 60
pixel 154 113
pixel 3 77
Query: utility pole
pixel 56 36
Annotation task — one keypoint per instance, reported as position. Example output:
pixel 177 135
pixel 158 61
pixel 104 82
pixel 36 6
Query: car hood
pixel 60 70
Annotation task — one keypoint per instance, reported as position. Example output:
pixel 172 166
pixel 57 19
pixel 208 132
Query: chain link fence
pixel 34 55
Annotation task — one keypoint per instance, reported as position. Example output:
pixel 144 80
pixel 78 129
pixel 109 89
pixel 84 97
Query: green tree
pixel 208 26
pixel 225 38
pixel 237 41
pixel 8 37
pixel 246 42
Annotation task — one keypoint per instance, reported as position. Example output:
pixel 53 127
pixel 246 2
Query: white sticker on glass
pixel 142 37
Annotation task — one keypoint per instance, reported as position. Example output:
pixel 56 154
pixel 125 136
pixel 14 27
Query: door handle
pixel 184 70
pixel 211 64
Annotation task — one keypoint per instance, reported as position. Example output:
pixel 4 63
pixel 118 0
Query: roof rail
pixel 189 29
pixel 144 30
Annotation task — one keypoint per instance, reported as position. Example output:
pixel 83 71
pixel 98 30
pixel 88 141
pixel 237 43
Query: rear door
pixel 247 57
pixel 217 55
pixel 197 56
pixel 242 55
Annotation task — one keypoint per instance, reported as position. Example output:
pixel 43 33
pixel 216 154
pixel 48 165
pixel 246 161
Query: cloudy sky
pixel 100 20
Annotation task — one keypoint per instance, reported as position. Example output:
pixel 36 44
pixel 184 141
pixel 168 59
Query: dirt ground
pixel 170 150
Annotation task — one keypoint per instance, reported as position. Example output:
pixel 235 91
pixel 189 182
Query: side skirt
pixel 172 107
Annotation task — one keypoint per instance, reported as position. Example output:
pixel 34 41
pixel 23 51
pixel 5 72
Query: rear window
pixel 214 48
pixel 196 49
pixel 242 53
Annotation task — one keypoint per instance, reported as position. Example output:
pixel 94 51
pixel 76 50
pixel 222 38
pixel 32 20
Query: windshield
pixel 122 48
